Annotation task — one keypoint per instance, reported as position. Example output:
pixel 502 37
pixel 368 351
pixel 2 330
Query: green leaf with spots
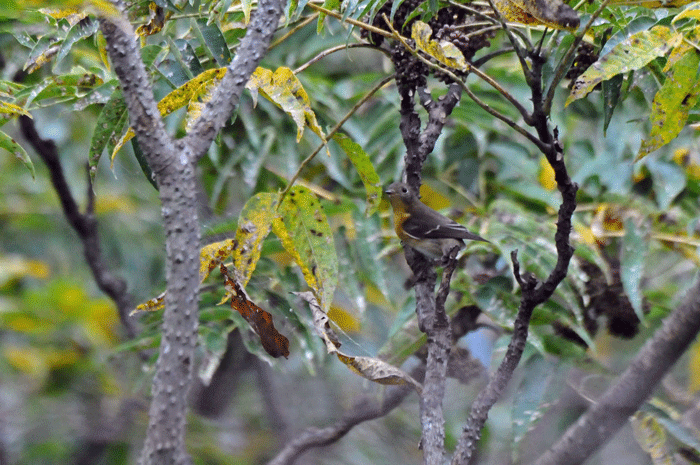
pixel 364 167
pixel 633 53
pixel 11 145
pixel 672 103
pixel 303 229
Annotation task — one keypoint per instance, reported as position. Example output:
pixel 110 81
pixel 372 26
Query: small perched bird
pixel 419 226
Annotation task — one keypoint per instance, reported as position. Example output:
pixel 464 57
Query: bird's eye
pixel 404 190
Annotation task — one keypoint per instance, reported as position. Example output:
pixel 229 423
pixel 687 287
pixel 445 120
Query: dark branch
pixel 84 224
pixel 609 413
pixel 364 409
pixel 534 291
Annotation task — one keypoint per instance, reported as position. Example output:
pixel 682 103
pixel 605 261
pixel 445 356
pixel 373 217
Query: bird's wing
pixel 429 224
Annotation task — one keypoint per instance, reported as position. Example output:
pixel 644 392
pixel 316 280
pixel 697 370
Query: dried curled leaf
pixel 274 343
pixel 371 368
pixel 378 371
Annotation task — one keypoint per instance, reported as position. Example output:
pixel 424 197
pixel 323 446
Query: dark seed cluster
pixel 586 55
pixel 451 24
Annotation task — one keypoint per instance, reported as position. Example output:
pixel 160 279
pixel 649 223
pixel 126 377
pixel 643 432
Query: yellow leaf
pixel 11 109
pixel 445 52
pixel 303 229
pixel 433 198
pixel 694 368
pixel 212 255
pixel 178 98
pixel 284 89
pixel 344 319
pixel 546 175
pixel 156 303
pixel 254 225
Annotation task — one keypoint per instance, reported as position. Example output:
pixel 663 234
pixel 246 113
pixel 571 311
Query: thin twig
pixel 84 224
pixel 354 22
pixel 332 132
pixel 293 30
pixel 532 138
pixel 363 410
pixel 332 50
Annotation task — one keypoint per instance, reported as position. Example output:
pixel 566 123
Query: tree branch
pixel 363 410
pixel 534 292
pixel 228 94
pixel 609 413
pixel 173 162
pixel 84 224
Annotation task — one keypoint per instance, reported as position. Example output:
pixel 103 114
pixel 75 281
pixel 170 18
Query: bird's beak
pixel 389 191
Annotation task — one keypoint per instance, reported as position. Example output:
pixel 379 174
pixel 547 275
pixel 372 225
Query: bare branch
pixel 609 413
pixel 84 224
pixel 363 410
pixel 534 292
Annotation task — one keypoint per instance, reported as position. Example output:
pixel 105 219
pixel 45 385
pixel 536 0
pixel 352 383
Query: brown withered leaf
pixel 274 343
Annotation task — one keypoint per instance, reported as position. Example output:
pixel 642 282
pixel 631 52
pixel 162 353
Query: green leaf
pixel 214 40
pixel 332 5
pixel 611 96
pixel 76 33
pixel 254 225
pixel 364 167
pixel 9 144
pixel 634 53
pixel 107 127
pixel 669 110
pixel 634 249
pixel 534 396
pixel 303 229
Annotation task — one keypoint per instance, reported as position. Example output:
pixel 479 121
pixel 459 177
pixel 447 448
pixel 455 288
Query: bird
pixel 422 228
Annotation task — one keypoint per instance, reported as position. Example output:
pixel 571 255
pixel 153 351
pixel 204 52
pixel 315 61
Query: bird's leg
pixel 449 256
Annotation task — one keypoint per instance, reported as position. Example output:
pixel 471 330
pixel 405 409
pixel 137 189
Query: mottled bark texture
pixel 173 163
